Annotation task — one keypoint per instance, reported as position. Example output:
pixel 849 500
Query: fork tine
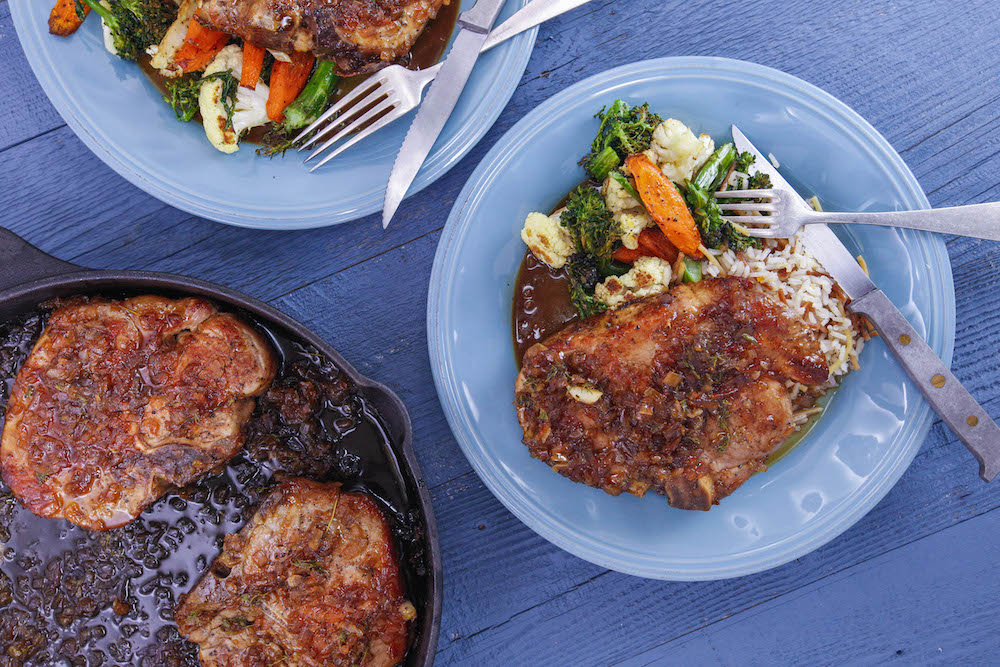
pixel 761 232
pixel 348 115
pixel 751 219
pixel 747 206
pixel 756 194
pixel 757 232
pixel 365 90
pixel 386 106
pixel 377 125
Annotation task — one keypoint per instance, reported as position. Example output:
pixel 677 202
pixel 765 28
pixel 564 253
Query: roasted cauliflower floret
pixel 547 239
pixel 632 223
pixel 211 104
pixel 617 197
pixel 628 212
pixel 250 109
pixel 649 275
pixel 677 151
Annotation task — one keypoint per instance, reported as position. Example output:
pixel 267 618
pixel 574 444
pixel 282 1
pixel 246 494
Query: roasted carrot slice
pixel 287 81
pixel 63 21
pixel 665 205
pixel 200 46
pixel 627 255
pixel 653 242
pixel 253 64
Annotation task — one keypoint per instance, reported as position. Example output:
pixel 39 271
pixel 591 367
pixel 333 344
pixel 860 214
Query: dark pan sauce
pixel 426 52
pixel 541 304
pixel 69 596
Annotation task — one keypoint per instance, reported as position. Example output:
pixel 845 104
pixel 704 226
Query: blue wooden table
pixel 912 582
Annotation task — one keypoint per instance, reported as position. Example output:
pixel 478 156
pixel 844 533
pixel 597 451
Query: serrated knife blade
pixel 952 402
pixel 474 27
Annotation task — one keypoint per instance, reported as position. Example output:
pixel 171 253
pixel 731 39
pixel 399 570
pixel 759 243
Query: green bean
pixel 716 167
pixel 314 97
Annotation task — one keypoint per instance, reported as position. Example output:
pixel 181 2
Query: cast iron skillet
pixel 29 277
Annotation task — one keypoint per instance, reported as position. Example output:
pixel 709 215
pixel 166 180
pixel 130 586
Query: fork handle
pixel 952 402
pixel 976 220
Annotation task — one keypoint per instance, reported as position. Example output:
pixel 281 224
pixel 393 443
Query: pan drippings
pixel 73 597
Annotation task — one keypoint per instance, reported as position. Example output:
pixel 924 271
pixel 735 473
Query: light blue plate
pixel 849 461
pixel 120 115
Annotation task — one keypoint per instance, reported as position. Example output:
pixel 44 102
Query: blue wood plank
pixel 883 602
pixel 25 112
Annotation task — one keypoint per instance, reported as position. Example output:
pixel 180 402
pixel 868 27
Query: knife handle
pixel 953 403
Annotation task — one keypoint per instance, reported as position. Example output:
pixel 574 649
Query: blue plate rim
pixel 748 562
pixel 515 56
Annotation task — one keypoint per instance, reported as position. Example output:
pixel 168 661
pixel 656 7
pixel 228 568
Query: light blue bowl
pixel 120 115
pixel 849 461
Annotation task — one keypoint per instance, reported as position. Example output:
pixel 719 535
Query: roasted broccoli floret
pixel 595 235
pixel 624 131
pixel 590 223
pixel 584 275
pixel 714 230
pixel 135 25
pixel 743 161
pixel 759 181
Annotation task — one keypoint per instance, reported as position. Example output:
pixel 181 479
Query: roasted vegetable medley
pixel 234 85
pixel 647 212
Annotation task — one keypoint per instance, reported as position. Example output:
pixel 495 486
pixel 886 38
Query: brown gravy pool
pixel 541 304
pixel 426 51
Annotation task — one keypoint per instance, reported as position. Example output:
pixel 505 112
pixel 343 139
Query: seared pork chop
pixel 359 35
pixel 311 580
pixel 681 392
pixel 119 401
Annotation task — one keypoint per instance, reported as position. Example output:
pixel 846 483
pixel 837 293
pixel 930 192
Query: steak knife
pixel 952 402
pixel 474 27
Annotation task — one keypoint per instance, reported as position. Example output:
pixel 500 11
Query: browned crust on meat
pixel 690 385
pixel 311 580
pixel 359 35
pixel 121 400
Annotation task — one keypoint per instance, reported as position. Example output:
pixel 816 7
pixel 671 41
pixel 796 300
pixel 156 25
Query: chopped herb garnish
pixel 236 623
pixel 309 565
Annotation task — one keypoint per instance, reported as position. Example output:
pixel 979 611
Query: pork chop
pixel 682 392
pixel 358 35
pixel 311 580
pixel 120 401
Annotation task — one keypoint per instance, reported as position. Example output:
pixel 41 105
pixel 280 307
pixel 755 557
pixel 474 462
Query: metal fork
pixel 779 213
pixel 395 91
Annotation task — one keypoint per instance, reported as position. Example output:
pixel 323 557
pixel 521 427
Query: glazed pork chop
pixel 359 35
pixel 311 580
pixel 682 392
pixel 120 401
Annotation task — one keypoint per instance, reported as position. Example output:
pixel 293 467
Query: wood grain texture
pixel 25 112
pixel 912 577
